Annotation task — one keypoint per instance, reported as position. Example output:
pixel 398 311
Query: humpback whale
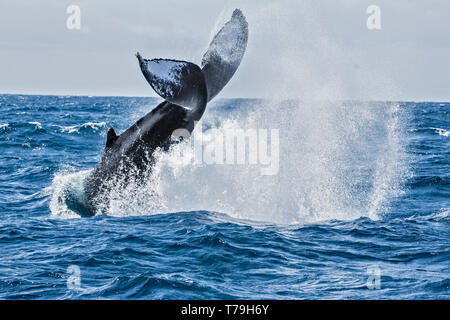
pixel 186 89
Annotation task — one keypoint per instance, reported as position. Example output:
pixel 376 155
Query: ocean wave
pixel 441 215
pixel 36 124
pixel 420 181
pixel 442 132
pixel 85 127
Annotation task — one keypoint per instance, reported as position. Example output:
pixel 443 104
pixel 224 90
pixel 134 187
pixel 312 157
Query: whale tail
pixel 225 53
pixel 184 83
pixel 178 82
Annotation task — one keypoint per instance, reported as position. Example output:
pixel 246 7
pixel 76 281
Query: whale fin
pixel 111 137
pixel 225 53
pixel 179 82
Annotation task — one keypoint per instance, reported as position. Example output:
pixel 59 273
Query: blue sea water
pixel 358 210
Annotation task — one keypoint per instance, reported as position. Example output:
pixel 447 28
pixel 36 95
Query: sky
pixel 309 49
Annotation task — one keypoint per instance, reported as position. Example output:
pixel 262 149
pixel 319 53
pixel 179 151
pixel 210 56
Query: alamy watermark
pixel 73 21
pixel 250 146
pixel 374 279
pixel 374 20
pixel 74 280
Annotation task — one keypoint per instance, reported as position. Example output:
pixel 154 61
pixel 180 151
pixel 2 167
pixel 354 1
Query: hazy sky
pixel 307 49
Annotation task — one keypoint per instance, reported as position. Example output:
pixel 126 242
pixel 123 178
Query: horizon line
pixel 243 98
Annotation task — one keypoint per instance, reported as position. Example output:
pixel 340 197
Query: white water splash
pixel 65 181
pixel 337 161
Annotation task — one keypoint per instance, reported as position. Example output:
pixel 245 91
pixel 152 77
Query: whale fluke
pixel 178 82
pixel 225 53
pixel 175 80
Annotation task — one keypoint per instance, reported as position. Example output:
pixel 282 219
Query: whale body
pixel 186 89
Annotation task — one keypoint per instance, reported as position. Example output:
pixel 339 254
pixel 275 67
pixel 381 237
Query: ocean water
pixel 357 208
